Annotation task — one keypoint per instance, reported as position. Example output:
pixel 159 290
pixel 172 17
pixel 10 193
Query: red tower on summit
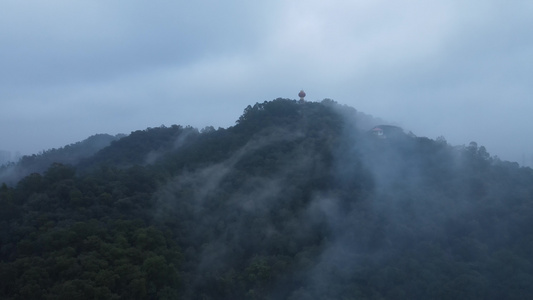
pixel 301 94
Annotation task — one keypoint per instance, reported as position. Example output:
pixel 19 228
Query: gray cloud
pixel 448 68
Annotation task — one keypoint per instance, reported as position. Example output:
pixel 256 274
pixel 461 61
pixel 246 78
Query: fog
pixel 341 210
pixel 299 200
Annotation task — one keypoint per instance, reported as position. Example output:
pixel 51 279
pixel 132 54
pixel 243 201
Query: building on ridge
pixel 301 94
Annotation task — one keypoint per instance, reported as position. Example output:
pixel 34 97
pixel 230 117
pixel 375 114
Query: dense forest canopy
pixel 296 201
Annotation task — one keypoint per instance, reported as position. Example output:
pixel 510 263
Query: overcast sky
pixel 71 69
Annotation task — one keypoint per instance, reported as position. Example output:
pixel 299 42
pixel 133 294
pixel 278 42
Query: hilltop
pixel 297 200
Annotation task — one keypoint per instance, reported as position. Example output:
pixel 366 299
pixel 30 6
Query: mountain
pixel 296 201
pixel 70 154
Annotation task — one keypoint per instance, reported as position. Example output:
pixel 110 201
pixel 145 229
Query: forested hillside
pixel 296 201
pixel 70 154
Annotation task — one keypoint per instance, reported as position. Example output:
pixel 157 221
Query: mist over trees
pixel 71 154
pixel 296 201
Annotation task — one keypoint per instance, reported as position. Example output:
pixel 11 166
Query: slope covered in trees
pixel 70 154
pixel 295 201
